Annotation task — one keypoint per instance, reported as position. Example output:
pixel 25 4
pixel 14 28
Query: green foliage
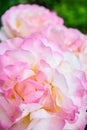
pixel 74 12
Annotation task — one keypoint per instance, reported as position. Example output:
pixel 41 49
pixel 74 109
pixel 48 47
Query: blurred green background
pixel 74 12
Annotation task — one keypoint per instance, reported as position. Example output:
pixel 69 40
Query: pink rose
pixel 41 86
pixel 23 20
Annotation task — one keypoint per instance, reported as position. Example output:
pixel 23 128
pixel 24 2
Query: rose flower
pixel 41 86
pixel 23 20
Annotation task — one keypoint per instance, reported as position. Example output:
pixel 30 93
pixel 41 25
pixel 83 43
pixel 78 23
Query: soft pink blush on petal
pixel 47 124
